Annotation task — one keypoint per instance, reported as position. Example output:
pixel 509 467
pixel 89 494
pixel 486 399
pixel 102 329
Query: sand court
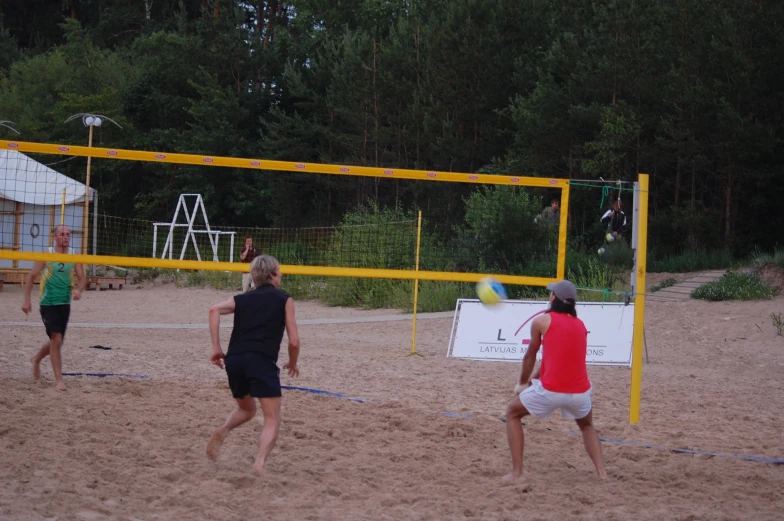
pixel 425 442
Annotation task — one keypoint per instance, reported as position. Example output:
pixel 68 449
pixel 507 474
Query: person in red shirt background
pixel 562 380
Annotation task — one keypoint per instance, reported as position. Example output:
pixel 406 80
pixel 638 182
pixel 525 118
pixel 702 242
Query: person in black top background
pixel 615 220
pixel 260 316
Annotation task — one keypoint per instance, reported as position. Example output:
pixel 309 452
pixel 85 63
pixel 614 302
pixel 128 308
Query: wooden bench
pixel 2 281
pixel 111 281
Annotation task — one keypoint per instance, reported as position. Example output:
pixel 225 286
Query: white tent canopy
pixel 31 208
pixel 25 180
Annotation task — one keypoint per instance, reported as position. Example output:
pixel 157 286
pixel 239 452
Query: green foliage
pixel 213 279
pixel 548 89
pixel 761 259
pixel 778 323
pixel 393 247
pixel 666 283
pixel 305 288
pixel 618 254
pixel 599 280
pixel 441 296
pixel 500 235
pixel 734 285
pixel 689 261
pixel 149 274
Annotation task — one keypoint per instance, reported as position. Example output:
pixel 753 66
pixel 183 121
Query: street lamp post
pixel 89 120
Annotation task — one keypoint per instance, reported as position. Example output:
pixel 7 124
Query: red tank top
pixel 564 347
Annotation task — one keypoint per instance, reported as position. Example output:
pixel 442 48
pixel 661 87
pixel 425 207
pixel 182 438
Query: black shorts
pixel 253 374
pixel 56 318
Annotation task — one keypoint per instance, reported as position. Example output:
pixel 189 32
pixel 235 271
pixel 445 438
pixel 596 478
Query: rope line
pixel 618 441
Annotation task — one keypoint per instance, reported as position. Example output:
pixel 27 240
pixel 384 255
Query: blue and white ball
pixel 610 237
pixel 490 291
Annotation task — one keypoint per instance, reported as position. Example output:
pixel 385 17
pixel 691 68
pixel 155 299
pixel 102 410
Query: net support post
pixel 85 221
pixel 95 230
pixel 638 338
pixel 416 286
pixel 564 216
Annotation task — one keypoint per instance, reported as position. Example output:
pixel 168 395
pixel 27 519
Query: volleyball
pixel 610 237
pixel 490 291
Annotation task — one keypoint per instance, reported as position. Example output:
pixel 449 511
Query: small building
pixel 34 199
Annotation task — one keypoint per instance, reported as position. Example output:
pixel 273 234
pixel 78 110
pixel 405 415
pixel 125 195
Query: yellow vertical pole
pixel 562 229
pixel 62 210
pixel 639 302
pixel 87 196
pixel 416 284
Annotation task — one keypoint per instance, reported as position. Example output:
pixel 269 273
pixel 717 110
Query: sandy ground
pixel 124 448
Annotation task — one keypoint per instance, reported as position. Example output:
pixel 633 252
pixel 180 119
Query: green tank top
pixel 56 282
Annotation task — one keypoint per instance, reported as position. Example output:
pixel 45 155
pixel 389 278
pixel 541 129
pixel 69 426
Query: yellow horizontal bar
pixel 288 269
pixel 262 164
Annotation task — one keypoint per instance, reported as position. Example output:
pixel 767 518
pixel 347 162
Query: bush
pixel 666 283
pixel 734 285
pixel 760 259
pixel 596 276
pixel 500 235
pixel 618 254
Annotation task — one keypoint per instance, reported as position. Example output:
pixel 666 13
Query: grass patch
pixel 601 281
pixel 760 259
pixel 441 296
pixel 666 283
pixel 304 287
pixel 213 279
pixel 618 254
pixel 778 323
pixel 734 285
pixel 691 261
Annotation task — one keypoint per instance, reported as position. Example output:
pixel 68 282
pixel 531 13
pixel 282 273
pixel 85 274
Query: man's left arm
pixel 81 281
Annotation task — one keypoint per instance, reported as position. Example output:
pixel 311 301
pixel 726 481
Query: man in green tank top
pixel 55 302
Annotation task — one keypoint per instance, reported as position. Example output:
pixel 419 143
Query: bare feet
pixel 512 475
pixel 36 368
pixel 214 445
pixel 61 386
pixel 258 467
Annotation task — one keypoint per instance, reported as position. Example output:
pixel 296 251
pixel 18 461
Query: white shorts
pixel 541 403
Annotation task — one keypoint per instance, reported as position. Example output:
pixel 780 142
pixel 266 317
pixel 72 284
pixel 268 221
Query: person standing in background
pixel 248 253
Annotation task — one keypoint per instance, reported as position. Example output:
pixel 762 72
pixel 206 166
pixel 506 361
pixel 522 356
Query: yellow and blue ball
pixel 609 237
pixel 490 291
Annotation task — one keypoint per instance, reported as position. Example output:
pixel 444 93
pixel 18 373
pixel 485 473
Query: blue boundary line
pixel 104 375
pixel 744 457
pixel 694 452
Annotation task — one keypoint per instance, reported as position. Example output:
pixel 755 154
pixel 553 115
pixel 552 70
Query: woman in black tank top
pixel 260 317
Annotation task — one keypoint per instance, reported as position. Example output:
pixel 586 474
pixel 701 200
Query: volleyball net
pixel 367 242
pixel 502 234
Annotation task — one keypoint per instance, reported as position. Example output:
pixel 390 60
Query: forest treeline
pixel 688 91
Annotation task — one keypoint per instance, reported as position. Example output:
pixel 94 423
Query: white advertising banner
pixel 503 332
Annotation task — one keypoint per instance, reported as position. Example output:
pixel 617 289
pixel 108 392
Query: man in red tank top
pixel 562 380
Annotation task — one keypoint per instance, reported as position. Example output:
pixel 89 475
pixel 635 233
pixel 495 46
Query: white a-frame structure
pixel 191 217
